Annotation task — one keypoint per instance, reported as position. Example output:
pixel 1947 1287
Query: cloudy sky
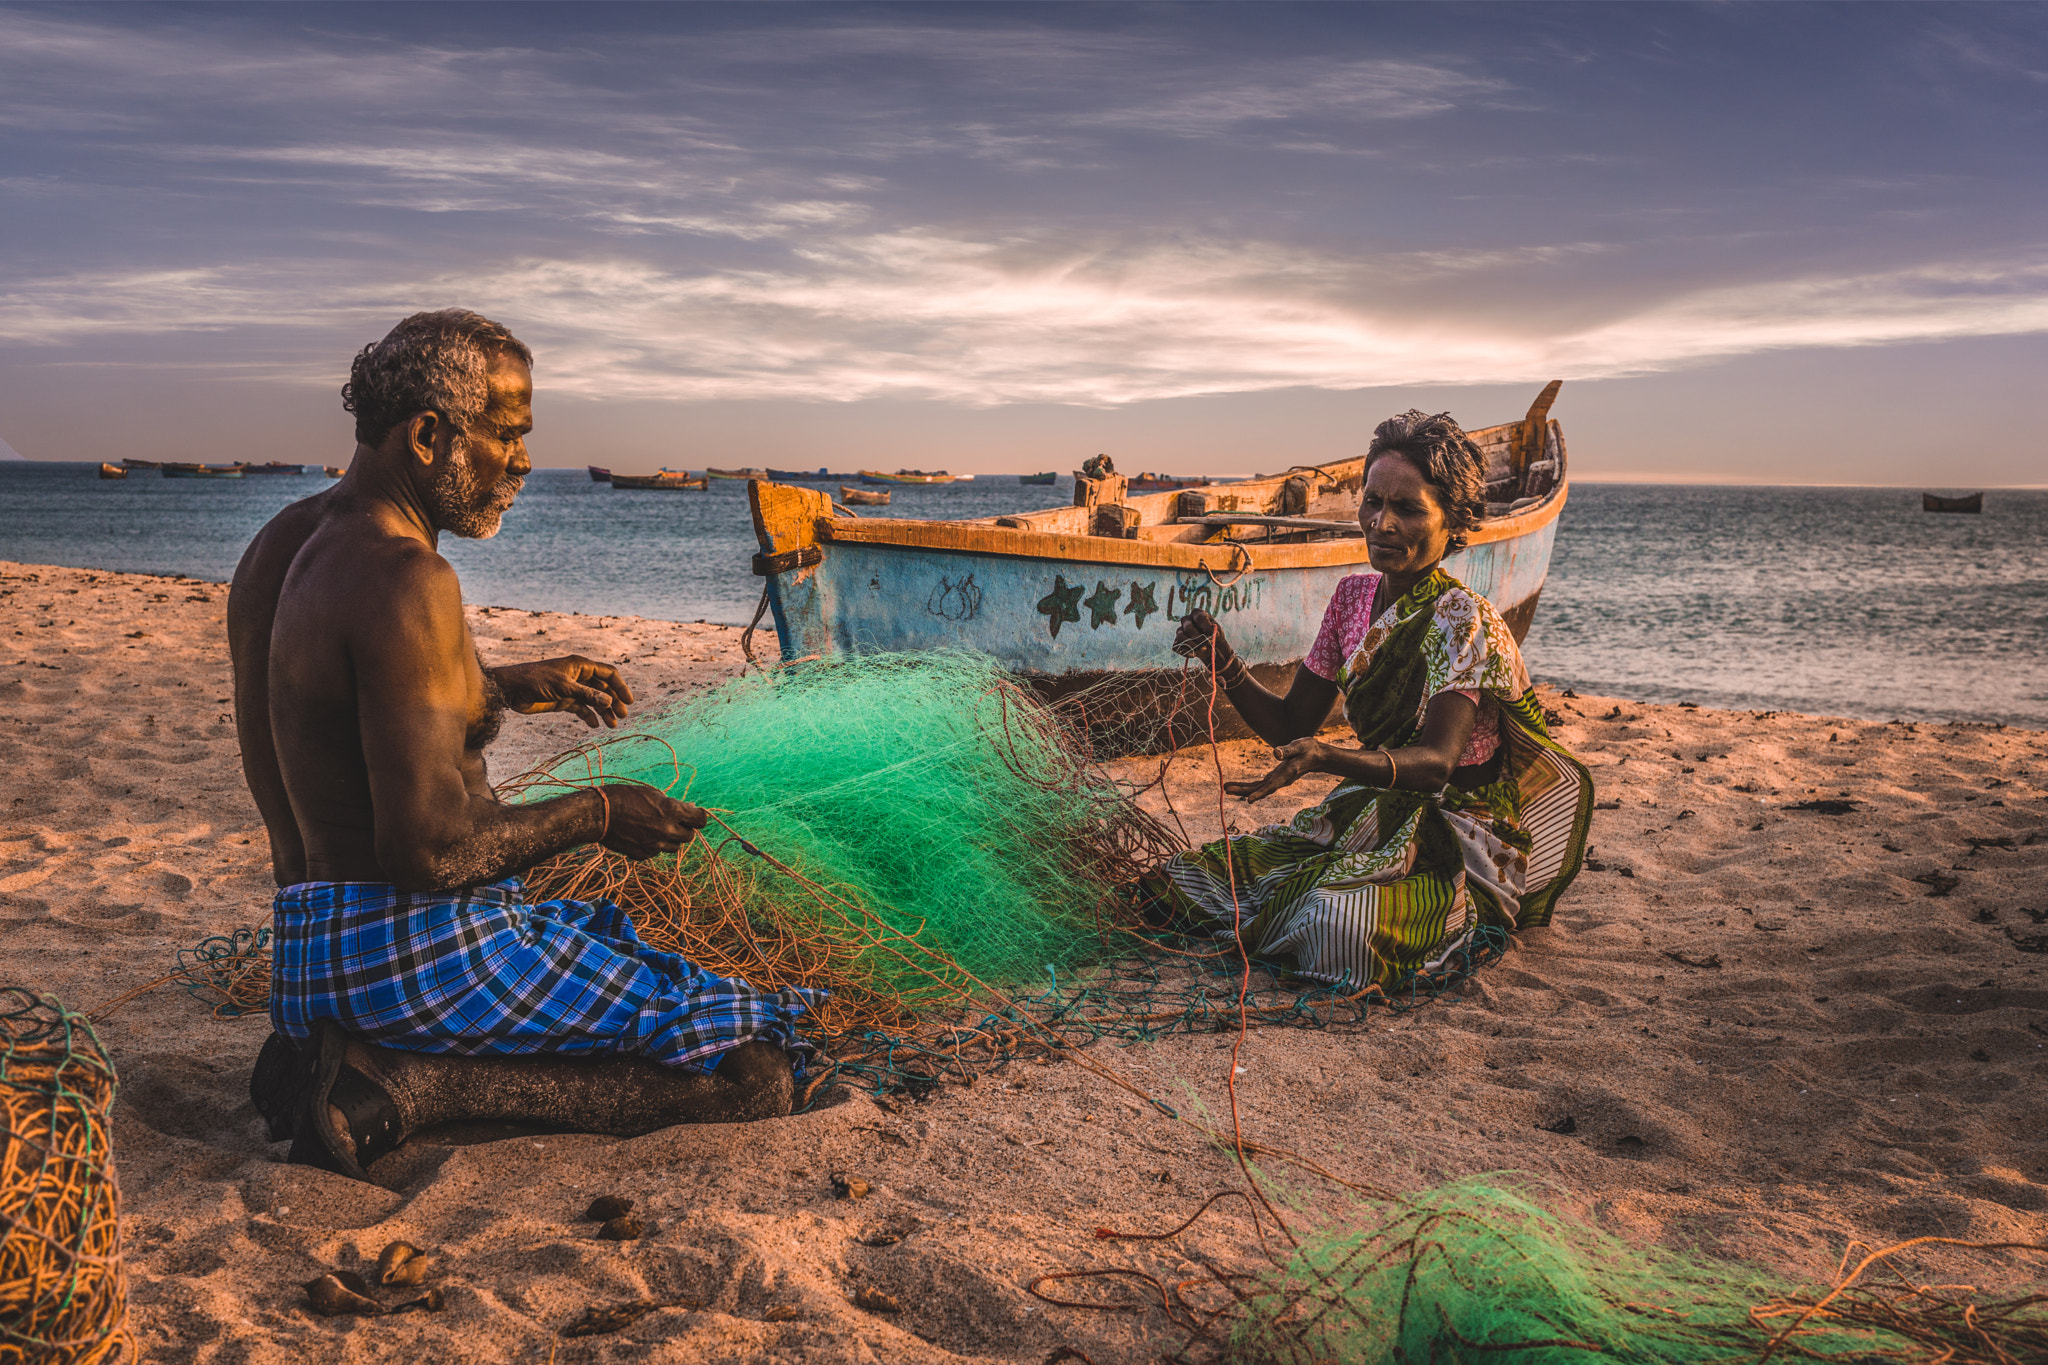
pixel 1777 243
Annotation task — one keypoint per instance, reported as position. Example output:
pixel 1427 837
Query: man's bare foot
pixel 342 1119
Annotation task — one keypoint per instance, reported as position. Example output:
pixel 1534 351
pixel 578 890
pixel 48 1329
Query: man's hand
pixel 1296 761
pixel 594 691
pixel 645 824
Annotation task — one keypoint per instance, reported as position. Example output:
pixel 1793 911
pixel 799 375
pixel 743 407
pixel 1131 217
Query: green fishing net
pixel 1476 1271
pixel 924 804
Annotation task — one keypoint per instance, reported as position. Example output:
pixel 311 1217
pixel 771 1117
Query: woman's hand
pixel 1296 761
pixel 1201 639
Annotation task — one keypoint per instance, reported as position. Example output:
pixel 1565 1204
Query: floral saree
pixel 1374 885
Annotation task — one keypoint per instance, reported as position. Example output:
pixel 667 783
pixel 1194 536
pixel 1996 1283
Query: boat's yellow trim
pixel 970 538
pixel 786 517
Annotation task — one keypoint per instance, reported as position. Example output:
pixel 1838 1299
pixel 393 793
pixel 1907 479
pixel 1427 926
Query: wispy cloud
pixel 1324 91
pixel 918 314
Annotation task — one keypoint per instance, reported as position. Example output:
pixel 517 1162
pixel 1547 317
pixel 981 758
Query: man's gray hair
pixel 431 362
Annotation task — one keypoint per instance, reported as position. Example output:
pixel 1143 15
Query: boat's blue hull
pixel 1056 617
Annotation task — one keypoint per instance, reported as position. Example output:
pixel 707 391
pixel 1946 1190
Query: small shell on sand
pixel 606 1207
pixel 402 1263
pixel 341 1294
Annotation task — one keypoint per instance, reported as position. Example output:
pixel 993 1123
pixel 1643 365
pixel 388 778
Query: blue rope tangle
pixel 216 965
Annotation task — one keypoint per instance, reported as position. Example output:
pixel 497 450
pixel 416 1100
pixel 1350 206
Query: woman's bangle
pixel 1232 672
pixel 1393 772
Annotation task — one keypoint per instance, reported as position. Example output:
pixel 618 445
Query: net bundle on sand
pixel 63 1295
pixel 1476 1271
pixel 902 830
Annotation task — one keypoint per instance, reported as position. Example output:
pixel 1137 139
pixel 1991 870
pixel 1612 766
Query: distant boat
pixel 800 476
pixel 863 497
pixel 1163 483
pixel 204 471
pixel 1968 502
pixel 668 480
pixel 1072 596
pixel 599 475
pixel 112 471
pixel 735 473
pixel 142 464
pixel 333 471
pixel 875 476
pixel 275 468
pixel 1038 478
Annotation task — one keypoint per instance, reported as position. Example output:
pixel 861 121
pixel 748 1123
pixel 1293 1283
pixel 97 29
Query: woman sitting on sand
pixel 1458 810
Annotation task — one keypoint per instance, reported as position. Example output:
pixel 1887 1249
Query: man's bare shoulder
pixel 363 565
pixel 260 574
pixel 273 548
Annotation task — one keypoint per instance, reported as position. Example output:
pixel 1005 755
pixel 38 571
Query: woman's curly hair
pixel 430 362
pixel 1449 461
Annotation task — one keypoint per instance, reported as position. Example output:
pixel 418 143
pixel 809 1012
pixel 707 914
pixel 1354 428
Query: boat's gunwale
pixel 970 538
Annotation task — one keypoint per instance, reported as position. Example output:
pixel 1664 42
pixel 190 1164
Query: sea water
pixel 1844 601
pixel 1839 601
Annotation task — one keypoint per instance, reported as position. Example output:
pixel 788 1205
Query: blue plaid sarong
pixel 481 972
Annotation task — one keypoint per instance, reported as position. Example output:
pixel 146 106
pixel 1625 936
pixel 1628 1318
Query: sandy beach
pixel 1773 1030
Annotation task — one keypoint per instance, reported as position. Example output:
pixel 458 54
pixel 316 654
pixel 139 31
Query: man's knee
pixel 760 1073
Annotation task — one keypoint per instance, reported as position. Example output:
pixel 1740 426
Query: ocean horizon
pixel 1833 600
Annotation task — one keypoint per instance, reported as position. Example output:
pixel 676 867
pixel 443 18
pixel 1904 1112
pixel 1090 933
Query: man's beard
pixel 460 503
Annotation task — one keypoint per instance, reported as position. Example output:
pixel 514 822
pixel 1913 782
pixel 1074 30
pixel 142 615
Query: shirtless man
pixel 412 983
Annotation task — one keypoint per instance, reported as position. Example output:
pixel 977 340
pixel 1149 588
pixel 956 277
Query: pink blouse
pixel 1345 622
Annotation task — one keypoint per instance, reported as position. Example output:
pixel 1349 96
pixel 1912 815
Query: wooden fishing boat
pixel 668 480
pixel 112 471
pixel 1967 502
pixel 1045 479
pixel 333 471
pixel 735 473
pixel 598 475
pixel 808 476
pixel 1075 596
pixel 876 476
pixel 273 467
pixel 863 497
pixel 203 471
pixel 142 464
